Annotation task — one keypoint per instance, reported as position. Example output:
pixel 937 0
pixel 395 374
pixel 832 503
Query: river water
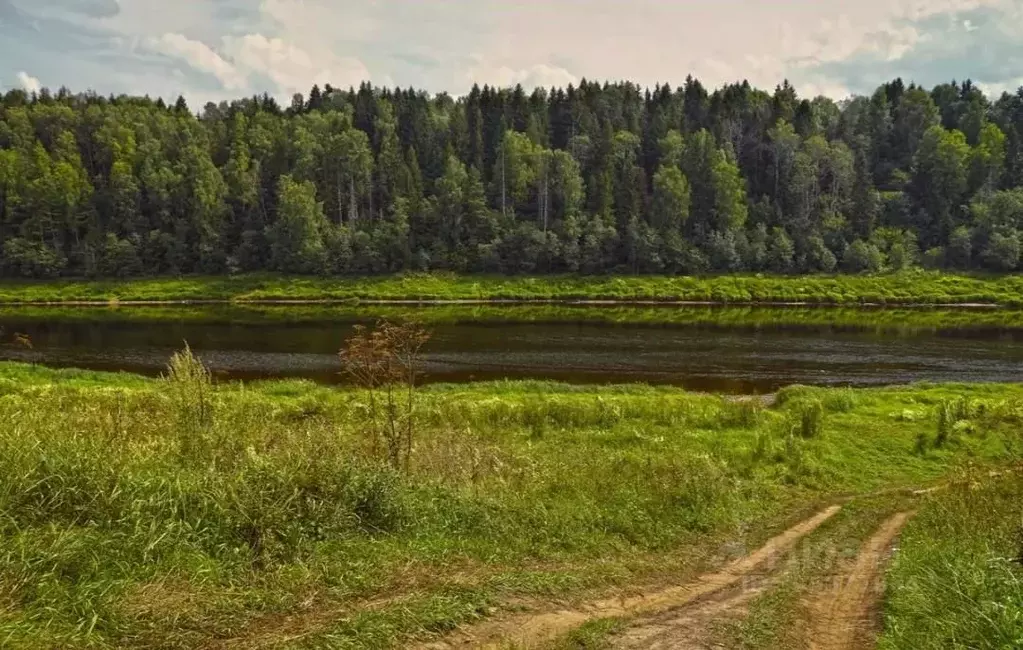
pixel 700 349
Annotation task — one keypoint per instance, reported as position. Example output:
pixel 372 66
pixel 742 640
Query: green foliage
pixel 862 257
pixel 959 253
pixel 27 259
pixel 670 199
pixel 296 238
pixel 817 257
pixel 190 387
pixel 597 180
pixel 780 251
pixel 118 258
pixel 1002 252
pixel 940 180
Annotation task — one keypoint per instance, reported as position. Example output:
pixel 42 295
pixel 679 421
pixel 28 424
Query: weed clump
pixel 811 420
pixel 840 401
pixel 279 507
pixel 743 414
pixel 190 387
pixel 951 412
pixel 791 394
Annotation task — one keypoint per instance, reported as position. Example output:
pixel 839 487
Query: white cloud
pixel 292 68
pixel 995 90
pixel 29 83
pixel 247 62
pixel 502 76
pixel 201 57
pixel 228 48
pixel 920 9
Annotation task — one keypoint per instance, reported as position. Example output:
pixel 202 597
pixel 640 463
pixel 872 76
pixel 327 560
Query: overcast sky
pixel 222 49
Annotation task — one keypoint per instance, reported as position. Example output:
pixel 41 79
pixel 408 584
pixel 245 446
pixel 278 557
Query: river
pixel 707 349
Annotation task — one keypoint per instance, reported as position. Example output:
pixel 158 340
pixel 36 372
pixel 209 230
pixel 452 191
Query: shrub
pixel 386 360
pixel 959 253
pixel 1002 253
pixel 862 257
pixel 933 258
pixel 278 507
pixel 30 259
pixel 118 258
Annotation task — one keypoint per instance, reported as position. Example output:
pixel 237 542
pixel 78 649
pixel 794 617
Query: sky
pixel 211 50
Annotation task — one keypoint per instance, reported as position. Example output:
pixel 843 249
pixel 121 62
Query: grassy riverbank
pixel 140 513
pixel 915 287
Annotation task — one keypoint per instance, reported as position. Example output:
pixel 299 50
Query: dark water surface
pixel 715 354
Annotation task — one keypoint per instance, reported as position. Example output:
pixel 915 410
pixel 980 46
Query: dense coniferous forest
pixel 594 179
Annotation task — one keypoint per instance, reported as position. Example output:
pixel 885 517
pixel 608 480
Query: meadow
pixel 915 287
pixel 182 513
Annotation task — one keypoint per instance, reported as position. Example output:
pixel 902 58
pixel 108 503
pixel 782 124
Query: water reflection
pixel 701 349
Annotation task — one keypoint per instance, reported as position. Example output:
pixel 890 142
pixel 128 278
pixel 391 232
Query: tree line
pixel 594 178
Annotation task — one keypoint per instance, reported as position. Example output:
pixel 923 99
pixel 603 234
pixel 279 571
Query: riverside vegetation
pixel 904 288
pixel 178 512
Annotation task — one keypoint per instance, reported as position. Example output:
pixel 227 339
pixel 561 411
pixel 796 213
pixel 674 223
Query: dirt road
pixel 845 616
pixel 533 630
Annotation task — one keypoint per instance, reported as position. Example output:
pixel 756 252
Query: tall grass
pixel 190 386
pixel 957 580
pixel 115 533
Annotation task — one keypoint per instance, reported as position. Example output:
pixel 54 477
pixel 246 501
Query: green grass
pixel 957 581
pixel 140 513
pixel 911 287
pixel 593 635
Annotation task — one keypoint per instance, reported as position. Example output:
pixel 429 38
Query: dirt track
pixel 532 630
pixel 845 616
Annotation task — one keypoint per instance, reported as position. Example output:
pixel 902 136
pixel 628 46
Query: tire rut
pixel 692 627
pixel 845 617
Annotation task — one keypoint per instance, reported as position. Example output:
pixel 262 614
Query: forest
pixel 594 179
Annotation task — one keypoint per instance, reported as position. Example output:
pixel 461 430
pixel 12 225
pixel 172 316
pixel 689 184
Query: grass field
pixel 911 287
pixel 139 513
